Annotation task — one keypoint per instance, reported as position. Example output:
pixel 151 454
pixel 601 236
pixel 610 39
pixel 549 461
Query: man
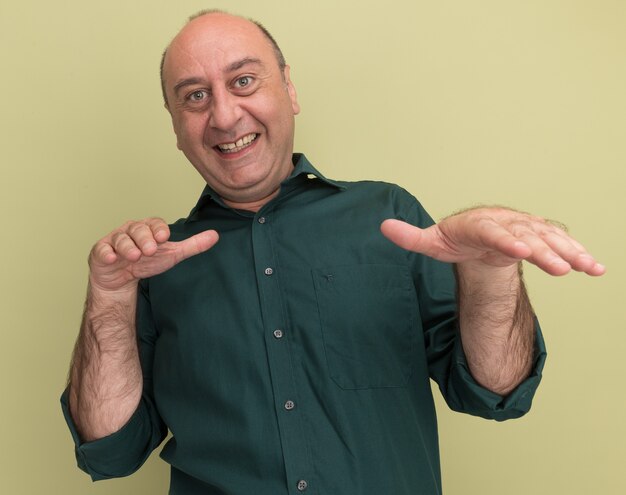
pixel 294 355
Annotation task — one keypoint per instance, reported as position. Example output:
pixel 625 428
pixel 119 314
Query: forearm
pixel 497 325
pixel 105 375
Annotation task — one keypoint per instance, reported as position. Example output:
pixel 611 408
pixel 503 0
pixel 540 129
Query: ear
pixel 177 141
pixel 292 91
pixel 173 126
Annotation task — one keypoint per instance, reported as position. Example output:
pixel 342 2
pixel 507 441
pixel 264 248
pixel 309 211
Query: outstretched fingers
pixel 571 252
pixel 497 237
pixel 490 236
pixel 537 241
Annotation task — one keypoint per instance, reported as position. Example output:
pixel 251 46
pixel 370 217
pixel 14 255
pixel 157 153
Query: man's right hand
pixel 105 375
pixel 140 249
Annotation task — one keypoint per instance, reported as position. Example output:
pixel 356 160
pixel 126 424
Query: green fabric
pixel 364 325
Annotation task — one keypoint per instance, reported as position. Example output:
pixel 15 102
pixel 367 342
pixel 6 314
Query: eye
pixel 197 95
pixel 242 82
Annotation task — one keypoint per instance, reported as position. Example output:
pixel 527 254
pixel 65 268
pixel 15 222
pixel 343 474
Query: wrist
pixel 101 295
pixel 110 312
pixel 477 271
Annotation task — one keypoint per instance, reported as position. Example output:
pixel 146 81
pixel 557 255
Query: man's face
pixel 232 107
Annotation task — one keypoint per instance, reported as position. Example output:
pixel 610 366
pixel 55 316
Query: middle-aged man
pixel 294 355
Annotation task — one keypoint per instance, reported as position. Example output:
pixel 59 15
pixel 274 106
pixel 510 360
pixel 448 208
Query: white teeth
pixel 239 145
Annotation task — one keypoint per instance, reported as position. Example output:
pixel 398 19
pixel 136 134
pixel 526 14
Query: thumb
pixel 196 244
pixel 411 238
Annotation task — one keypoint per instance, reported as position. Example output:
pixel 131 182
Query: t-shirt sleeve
pixel 123 452
pixel 436 291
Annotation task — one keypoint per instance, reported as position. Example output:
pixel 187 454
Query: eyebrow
pixel 186 82
pixel 231 68
pixel 242 63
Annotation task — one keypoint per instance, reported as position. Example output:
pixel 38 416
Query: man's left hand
pixel 490 237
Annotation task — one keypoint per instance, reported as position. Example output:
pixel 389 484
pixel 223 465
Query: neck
pixel 251 205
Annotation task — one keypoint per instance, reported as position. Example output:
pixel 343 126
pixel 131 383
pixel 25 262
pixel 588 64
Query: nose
pixel 224 112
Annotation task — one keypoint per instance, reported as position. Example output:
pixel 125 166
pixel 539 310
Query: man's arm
pixel 487 245
pixel 105 375
pixel 497 325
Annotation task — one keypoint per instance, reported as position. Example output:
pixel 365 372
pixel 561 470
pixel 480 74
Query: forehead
pixel 213 42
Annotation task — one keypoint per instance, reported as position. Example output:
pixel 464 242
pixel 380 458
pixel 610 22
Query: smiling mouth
pixel 239 145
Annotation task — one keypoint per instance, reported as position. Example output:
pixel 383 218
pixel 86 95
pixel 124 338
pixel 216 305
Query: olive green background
pixel 507 102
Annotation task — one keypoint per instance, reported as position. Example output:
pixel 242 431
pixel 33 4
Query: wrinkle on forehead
pixel 211 55
pixel 207 44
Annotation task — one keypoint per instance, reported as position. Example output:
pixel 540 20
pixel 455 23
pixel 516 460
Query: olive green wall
pixel 510 102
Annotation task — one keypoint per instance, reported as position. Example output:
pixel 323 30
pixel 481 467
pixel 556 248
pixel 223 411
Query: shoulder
pixel 386 192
